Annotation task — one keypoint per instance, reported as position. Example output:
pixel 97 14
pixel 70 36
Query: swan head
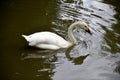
pixel 85 27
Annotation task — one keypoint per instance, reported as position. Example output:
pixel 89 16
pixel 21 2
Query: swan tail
pixel 26 37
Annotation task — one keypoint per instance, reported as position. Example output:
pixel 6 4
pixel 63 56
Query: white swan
pixel 49 40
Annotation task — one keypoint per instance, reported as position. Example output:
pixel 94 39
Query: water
pixel 95 57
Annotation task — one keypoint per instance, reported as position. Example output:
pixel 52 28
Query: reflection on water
pixel 95 57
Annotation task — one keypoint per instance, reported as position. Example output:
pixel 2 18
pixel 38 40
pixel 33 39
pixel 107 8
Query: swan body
pixel 49 40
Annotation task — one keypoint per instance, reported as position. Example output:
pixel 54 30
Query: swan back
pixel 42 39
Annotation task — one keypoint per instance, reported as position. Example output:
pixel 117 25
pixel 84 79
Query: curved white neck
pixel 70 32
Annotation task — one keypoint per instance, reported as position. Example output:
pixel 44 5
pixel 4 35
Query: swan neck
pixel 70 33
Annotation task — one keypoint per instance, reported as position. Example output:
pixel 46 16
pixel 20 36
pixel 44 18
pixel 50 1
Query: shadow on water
pixel 95 57
pixel 76 60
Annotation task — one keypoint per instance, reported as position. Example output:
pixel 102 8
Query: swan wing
pixel 46 38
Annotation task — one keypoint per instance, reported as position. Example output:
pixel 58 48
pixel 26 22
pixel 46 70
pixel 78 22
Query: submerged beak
pixel 88 30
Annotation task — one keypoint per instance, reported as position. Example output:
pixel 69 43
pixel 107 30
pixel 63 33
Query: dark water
pixel 95 57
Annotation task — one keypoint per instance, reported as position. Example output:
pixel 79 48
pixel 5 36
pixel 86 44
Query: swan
pixel 52 41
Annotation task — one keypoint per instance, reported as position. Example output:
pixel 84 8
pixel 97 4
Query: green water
pixel 95 57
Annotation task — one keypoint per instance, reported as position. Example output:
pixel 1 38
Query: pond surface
pixel 95 57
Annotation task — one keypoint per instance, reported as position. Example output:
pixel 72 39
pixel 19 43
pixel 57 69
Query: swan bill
pixel 88 30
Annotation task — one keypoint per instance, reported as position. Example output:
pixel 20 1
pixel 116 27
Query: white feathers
pixel 49 40
pixel 46 40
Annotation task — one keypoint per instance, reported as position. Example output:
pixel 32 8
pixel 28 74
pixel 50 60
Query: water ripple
pixel 97 14
pixel 101 46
